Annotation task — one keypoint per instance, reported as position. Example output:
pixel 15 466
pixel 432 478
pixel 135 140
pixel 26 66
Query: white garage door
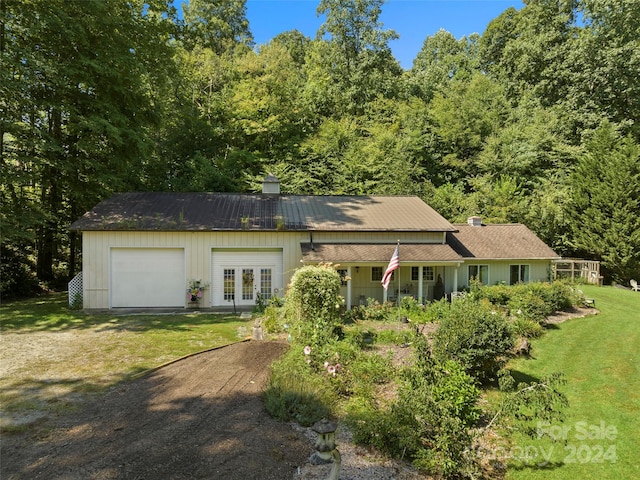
pixel 148 277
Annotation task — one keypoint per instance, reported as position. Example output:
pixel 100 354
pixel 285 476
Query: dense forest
pixel 534 121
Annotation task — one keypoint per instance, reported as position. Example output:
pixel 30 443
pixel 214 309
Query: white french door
pixel 239 276
pixel 242 285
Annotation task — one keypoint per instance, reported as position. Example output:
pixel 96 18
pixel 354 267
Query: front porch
pixel 427 272
pixel 424 283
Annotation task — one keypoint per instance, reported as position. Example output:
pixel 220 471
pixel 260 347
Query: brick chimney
pixel 271 185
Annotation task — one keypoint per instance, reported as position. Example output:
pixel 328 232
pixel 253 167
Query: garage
pixel 148 277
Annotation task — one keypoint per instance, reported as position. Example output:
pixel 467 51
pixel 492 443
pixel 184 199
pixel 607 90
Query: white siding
pixel 197 250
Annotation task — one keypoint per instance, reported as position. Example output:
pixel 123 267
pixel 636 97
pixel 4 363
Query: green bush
pixel 476 335
pixel 523 327
pixel 296 393
pixel 373 310
pixel 456 392
pixel 529 305
pixel 273 319
pixel 313 303
pixel 361 337
pixel 498 294
pixel 372 368
pixel 429 422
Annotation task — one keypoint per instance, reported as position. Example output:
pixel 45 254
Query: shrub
pixel 372 368
pixel 373 310
pixel 428 422
pixel 273 319
pixel 476 335
pixel 498 294
pixel 523 327
pixel 360 337
pixel 528 305
pixel 296 393
pixel 312 304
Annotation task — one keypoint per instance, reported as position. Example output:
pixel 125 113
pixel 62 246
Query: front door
pixel 243 285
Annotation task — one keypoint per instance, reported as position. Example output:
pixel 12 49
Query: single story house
pixel 142 250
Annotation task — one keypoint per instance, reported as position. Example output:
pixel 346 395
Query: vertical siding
pixel 198 246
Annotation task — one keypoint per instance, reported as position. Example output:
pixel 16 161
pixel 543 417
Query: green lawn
pixel 51 355
pixel 600 356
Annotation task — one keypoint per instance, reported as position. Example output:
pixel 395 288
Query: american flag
pixel 394 263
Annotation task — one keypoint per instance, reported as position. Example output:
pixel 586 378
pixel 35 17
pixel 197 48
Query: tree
pixel 465 114
pixel 441 59
pixel 355 64
pixel 219 25
pixel 82 77
pixel 604 66
pixel 527 49
pixel 605 203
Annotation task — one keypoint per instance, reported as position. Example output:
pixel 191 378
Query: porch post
pixel 455 278
pixel 349 288
pixel 420 271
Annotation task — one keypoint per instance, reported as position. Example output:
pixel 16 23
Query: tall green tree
pixel 527 49
pixel 219 25
pixel 350 62
pixel 441 59
pixel 83 74
pixel 465 115
pixel 605 203
pixel 604 66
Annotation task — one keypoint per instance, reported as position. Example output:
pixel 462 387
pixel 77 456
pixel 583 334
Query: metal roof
pixel 499 242
pixel 377 252
pixel 227 211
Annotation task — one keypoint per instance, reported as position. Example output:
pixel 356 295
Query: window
pixel 518 274
pixel 247 284
pixel 427 274
pixel 265 283
pixel 376 274
pixel 343 276
pixel 479 273
pixel 229 284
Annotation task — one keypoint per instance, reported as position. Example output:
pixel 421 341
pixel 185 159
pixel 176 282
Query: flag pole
pixel 398 295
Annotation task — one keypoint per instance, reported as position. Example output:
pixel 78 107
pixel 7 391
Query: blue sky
pixel 413 20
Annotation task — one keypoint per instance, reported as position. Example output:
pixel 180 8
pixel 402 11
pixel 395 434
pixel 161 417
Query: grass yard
pixel 600 356
pixel 51 355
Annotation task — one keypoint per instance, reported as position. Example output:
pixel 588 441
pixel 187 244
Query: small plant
pixel 195 290
pixel 76 301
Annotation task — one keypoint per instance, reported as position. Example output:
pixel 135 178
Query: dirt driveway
pixel 201 417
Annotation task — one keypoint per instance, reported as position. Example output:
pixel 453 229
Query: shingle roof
pixel 376 252
pixel 224 211
pixel 499 242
